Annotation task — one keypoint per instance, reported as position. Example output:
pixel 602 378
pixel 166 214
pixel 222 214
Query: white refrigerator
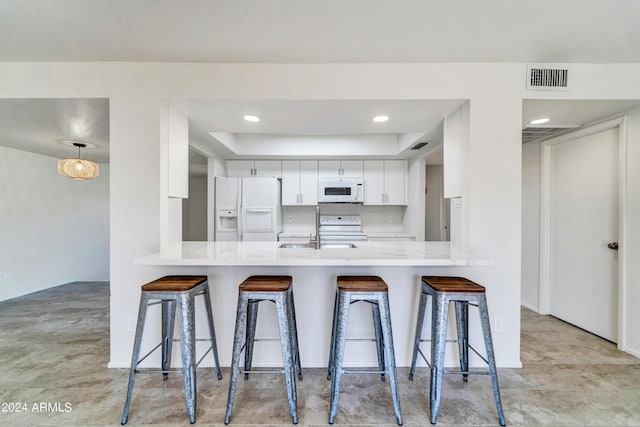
pixel 247 209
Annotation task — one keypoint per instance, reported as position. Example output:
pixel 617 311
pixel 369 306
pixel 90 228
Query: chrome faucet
pixel 317 239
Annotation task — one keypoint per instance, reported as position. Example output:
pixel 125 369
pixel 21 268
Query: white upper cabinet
pixel 385 182
pixel 243 168
pixel 340 168
pixel 299 182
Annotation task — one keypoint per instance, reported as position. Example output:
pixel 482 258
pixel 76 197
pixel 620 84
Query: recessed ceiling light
pixel 251 118
pixel 380 119
pixel 539 121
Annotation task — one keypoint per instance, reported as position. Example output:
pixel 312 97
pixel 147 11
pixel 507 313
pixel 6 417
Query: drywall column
pixel 174 155
pixel 494 206
pixel 456 174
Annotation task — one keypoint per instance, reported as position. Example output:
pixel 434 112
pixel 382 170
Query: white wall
pixel 434 221
pixel 194 210
pixel 531 225
pixel 495 91
pixel 53 230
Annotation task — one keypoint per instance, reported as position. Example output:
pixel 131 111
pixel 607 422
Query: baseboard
pixel 632 352
pixel 530 307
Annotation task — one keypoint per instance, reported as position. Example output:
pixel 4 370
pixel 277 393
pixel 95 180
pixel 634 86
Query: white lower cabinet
pixel 385 182
pixel 299 182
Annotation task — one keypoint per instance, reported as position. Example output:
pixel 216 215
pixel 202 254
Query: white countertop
pixel 270 254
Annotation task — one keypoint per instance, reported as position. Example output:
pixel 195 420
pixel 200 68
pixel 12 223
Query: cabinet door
pixel 308 182
pixel 329 168
pixel 239 167
pixel 395 178
pixel 374 182
pixel 268 168
pixel 351 168
pixel 290 182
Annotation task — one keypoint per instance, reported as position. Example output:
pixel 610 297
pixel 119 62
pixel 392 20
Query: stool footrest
pixel 424 358
pixel 159 371
pixel 361 371
pixel 466 372
pixel 262 371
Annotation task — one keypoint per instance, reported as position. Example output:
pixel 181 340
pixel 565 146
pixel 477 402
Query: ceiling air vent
pixel 547 77
pixel 535 133
pixel 419 145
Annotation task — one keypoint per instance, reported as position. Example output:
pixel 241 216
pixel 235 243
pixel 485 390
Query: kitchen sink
pixel 313 246
pixel 298 246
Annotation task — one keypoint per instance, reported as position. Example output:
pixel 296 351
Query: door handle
pixel 613 245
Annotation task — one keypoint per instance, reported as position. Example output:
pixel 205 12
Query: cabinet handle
pixel 382 197
pixel 301 198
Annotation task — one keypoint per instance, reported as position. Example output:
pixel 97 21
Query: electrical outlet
pixel 131 324
pixel 389 218
pixel 3 276
pixel 498 324
pixel 290 218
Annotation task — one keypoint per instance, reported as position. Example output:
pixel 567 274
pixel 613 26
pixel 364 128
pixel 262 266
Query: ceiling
pixel 337 31
pixel 346 31
pixel 40 125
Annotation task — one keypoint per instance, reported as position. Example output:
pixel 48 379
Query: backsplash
pixel 386 219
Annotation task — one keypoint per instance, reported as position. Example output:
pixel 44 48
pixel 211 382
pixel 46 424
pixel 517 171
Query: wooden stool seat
pixel 266 284
pixel 174 284
pixel 361 284
pixel 452 284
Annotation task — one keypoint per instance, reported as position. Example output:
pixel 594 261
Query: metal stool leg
pixel 238 341
pixel 294 334
pixel 282 307
pixel 188 338
pixel 418 335
pixel 385 318
pixel 252 318
pixel 462 327
pixel 377 327
pixel 332 344
pixel 438 342
pixel 168 318
pixel 488 342
pixel 212 331
pixel 142 315
pixel 342 318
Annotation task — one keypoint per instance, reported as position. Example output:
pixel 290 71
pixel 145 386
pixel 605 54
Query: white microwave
pixel 340 190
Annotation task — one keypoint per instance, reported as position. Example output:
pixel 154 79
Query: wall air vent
pixel 419 145
pixel 547 77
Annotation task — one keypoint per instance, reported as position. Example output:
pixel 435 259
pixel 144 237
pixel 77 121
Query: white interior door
pixel 583 288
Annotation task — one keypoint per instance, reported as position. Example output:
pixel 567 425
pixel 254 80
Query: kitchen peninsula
pixel 400 264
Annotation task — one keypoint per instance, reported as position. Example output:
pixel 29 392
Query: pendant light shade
pixel 77 168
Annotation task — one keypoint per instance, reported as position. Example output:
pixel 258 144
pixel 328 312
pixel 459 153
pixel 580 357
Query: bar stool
pixel 174 292
pixel 461 291
pixel 252 291
pixel 371 289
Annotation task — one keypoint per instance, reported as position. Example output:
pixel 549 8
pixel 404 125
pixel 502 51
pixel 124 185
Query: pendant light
pixel 77 168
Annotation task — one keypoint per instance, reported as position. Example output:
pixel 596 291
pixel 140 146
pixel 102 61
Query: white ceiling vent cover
pixel 548 77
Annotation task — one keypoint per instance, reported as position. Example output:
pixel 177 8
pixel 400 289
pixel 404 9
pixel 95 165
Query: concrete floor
pixel 54 349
